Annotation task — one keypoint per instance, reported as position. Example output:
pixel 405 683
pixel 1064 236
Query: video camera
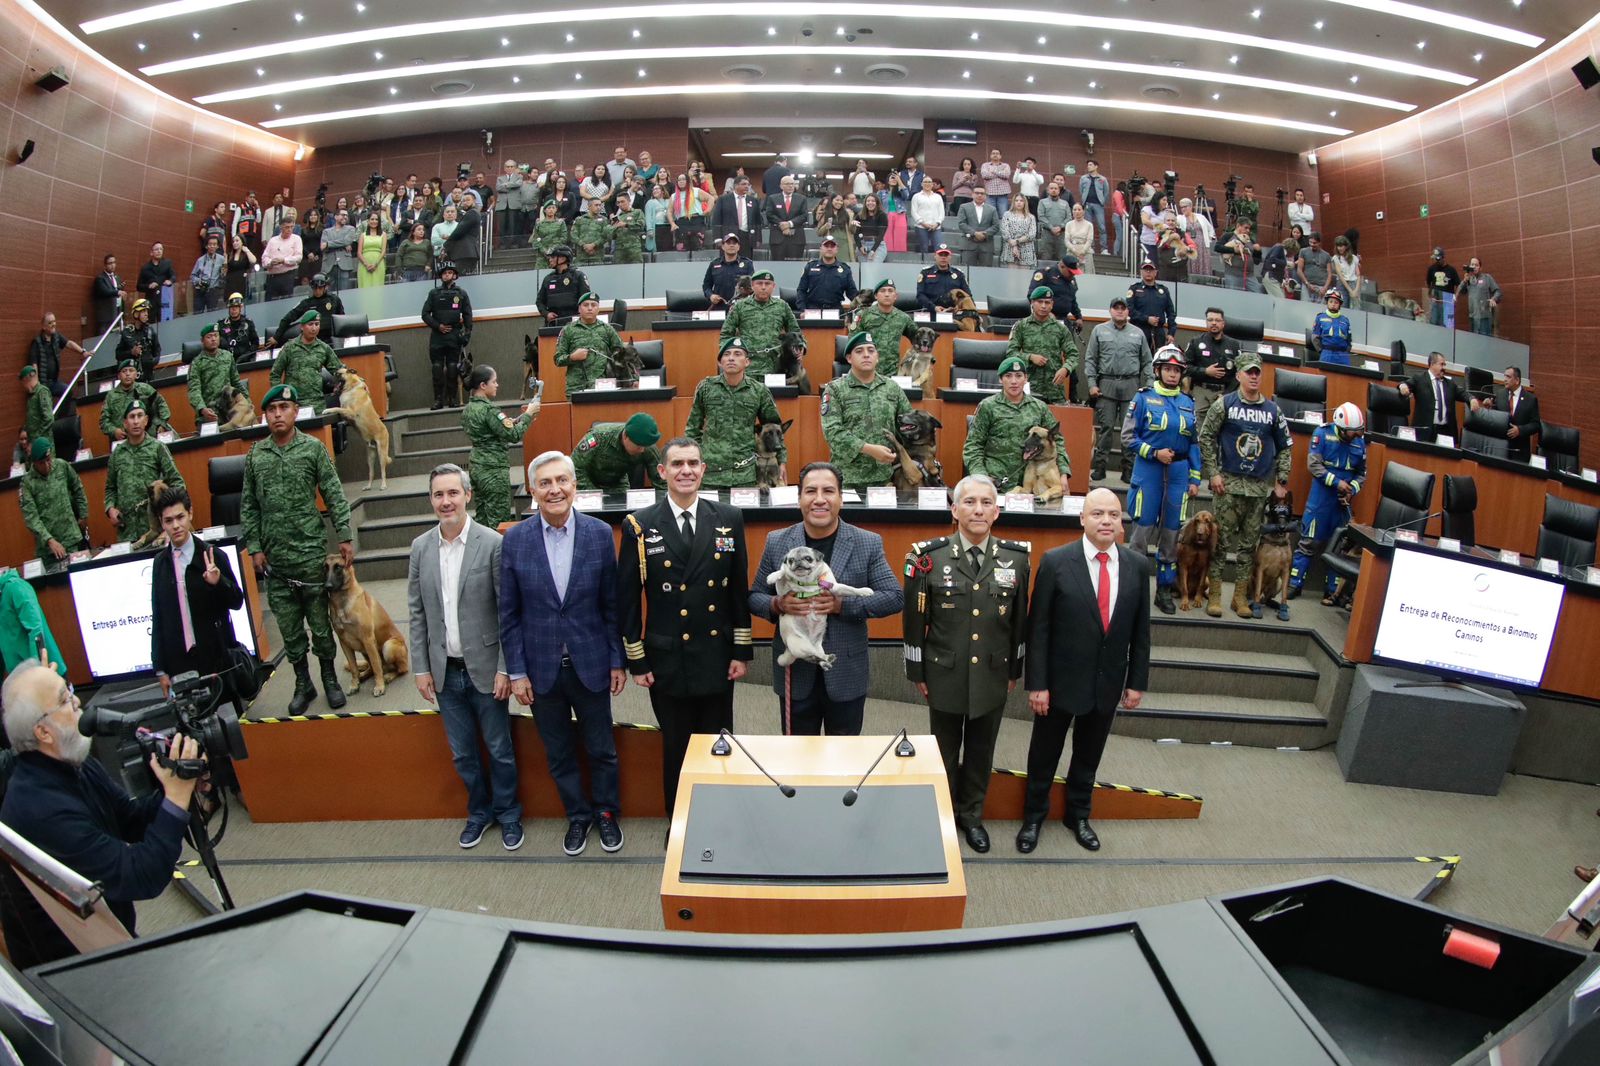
pixel 816 187
pixel 195 708
pixel 375 181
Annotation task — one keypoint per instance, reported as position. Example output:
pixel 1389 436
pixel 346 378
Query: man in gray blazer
pixel 829 701
pixel 453 592
pixel 978 221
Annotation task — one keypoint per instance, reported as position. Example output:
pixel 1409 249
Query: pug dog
pixel 804 574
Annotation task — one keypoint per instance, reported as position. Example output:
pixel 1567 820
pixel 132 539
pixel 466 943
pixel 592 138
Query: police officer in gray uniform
pixel 1116 364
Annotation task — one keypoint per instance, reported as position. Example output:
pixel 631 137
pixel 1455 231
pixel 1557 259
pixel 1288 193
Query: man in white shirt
pixel 1029 182
pixel 1301 213
pixel 281 259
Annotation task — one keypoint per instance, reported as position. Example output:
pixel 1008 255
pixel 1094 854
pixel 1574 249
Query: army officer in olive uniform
pixel 1001 426
pixel 859 414
pixel 728 410
pixel 587 347
pixel 966 619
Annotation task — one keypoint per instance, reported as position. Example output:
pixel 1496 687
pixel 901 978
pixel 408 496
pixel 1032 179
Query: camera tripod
pixel 199 838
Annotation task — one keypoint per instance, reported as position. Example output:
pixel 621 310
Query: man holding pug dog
pixel 966 621
pixel 727 411
pixel 1045 346
pixel 212 371
pixel 136 464
pixel 994 444
pixel 859 414
pixel 587 346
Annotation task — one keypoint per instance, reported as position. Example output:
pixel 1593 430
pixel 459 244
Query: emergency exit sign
pixel 1424 211
pixel 188 205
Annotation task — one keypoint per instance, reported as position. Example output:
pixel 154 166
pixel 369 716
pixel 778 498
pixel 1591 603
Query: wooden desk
pixel 812 907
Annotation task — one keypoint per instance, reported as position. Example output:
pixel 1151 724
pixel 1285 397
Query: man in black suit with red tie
pixel 738 212
pixel 189 626
pixel 1088 654
pixel 786 215
pixel 1523 407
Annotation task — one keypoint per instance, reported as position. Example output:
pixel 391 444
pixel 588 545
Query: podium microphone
pixel 720 747
pixel 1424 519
pixel 904 751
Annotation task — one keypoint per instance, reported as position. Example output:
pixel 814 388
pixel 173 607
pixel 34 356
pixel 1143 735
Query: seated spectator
pixel 415 258
pixel 1482 294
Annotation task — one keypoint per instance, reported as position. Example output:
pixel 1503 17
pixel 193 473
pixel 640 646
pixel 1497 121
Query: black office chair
pixel 1485 433
pixel 1559 446
pixel 1403 500
pixel 619 314
pixel 1480 383
pixel 686 301
pixel 1245 330
pixel 1386 408
pixel 225 479
pixel 1460 507
pixel 1004 311
pixel 190 350
pixel 977 359
pixel 790 297
pixel 346 326
pixel 651 355
pixel 1568 532
pixel 1397 362
pixel 906 299
pixel 1297 392
pixel 67 435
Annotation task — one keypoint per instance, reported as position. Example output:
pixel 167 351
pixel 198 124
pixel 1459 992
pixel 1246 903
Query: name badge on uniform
pixel 657 550
pixel 1006 579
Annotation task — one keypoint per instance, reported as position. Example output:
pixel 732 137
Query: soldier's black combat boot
pixel 1164 602
pixel 304 691
pixel 438 385
pixel 330 683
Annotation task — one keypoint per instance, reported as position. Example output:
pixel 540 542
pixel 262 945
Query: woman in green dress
pixel 490 431
pixel 374 245
pixel 548 233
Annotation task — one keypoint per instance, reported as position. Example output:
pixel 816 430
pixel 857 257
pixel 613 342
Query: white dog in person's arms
pixel 805 574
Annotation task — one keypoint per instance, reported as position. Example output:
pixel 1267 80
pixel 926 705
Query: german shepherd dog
pixel 792 361
pixel 355 405
pixel 966 311
pixel 236 405
pixel 769 442
pixel 1269 585
pixel 627 366
pixel 917 363
pixel 373 646
pixel 916 445
pixel 530 355
pixel 1197 543
pixel 155 536
pixel 1039 473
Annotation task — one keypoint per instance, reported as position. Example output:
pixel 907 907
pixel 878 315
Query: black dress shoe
pixel 1083 833
pixel 1028 837
pixel 977 838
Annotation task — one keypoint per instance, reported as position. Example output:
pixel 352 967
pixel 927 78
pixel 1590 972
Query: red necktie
pixel 786 205
pixel 1104 591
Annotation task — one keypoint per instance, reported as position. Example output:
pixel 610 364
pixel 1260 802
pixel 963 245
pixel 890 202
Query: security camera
pixel 488 141
pixel 1088 139
pixel 806 29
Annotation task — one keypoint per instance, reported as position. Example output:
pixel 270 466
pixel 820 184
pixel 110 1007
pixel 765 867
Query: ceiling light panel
pixel 154 12
pixel 1445 19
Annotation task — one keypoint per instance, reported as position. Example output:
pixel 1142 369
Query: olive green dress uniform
pixel 589 229
pixel 53 506
pixel 761 326
pixel 1055 342
pixel 994 443
pixel 279 511
pixel 601 462
pixel 886 329
pixel 965 637
pixel 119 399
pixel 131 471
pixel 301 365
pixel 854 414
pixel 548 235
pixel 38 417
pixel 209 374
pixel 628 242
pixel 604 344
pixel 723 421
pixel 490 432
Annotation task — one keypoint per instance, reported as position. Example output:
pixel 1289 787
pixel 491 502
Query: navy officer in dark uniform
pixel 722 277
pixel 1211 359
pixel 238 332
pixel 1064 284
pixel 825 283
pixel 936 283
pixel 326 304
pixel 558 295
pixel 1150 308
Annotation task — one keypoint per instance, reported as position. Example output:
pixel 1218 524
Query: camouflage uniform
pixel 301 365
pixel 1246 210
pixel 39 417
pixel 602 462
pixel 133 468
pixel 886 330
pixel 490 430
pixel 1052 340
pixel 53 505
pixel 628 244
pixel 1244 491
pixel 854 414
pixel 603 343
pixel 723 421
pixel 761 326
pixel 590 229
pixel 548 235
pixel 118 400
pixel 279 510
pixel 994 444
pixel 208 375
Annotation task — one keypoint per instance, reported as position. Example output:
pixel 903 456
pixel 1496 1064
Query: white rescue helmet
pixel 1349 419
pixel 1167 355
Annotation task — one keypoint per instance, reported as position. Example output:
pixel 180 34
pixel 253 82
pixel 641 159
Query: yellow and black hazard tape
pixel 1447 866
pixel 179 868
pixel 1113 786
pixel 338 716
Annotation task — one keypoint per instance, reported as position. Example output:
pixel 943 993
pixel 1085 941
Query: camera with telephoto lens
pixel 198 707
pixel 375 181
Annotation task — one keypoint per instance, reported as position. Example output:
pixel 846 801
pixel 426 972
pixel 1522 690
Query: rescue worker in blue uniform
pixel 1338 464
pixel 1331 329
pixel 1163 435
pixel 1150 308
pixel 936 283
pixel 826 284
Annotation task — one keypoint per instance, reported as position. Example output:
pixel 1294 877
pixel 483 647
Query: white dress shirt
pixel 1089 553
pixel 1512 399
pixel 451 555
pixel 679 512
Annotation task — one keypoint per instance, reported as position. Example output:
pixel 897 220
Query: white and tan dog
pixel 804 574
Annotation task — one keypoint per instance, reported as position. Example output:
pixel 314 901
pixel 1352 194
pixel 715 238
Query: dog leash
pixel 291 582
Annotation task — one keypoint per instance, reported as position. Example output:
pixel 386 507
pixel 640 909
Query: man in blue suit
pixel 558 624
pixel 830 701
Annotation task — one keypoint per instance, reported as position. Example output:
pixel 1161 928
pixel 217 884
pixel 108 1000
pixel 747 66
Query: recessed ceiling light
pixel 1256 13
pixel 1333 114
pixel 378 56
pixel 838 70
pixel 394 90
pixel 361 9
pixel 577 75
pixel 1094 85
pixel 1354 78
pixel 1216 96
pixel 1421 45
pixel 636 34
pixel 1030 79
pixel 1044 40
pixel 195 35
pixel 516 79
pixel 299 16
pixel 966 73
pixel 1234 60
pixel 839 32
pixel 641 72
pixel 140 46
pixel 772 31
pixel 505 42
pixel 570 38
pixel 1105 46
pixel 1477 57
pixel 261 72
pixel 1317 25
pixel 974 36
pixel 277 107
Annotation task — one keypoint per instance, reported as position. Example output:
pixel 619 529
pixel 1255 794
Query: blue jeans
pixel 338 279
pixel 553 712
pixel 1096 213
pixel 470 715
pixel 1484 326
pixel 1119 226
pixel 928 239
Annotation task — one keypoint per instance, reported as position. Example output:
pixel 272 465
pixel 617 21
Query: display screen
pixel 113 603
pixel 1463 616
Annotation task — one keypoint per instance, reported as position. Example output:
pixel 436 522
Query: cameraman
pixel 66 804
pixel 189 624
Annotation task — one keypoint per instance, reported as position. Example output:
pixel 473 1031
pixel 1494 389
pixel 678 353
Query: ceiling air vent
pixel 887 72
pixel 755 140
pixel 1161 92
pixel 744 72
pixel 452 87
pixel 860 140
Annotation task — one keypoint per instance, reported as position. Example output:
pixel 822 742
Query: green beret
pixel 137 405
pixel 280 392
pixel 586 297
pixel 28 371
pixel 128 364
pixel 732 342
pixel 884 284
pixel 309 316
pixel 209 327
pixel 1010 363
pixel 642 430
pixel 39 448
pixel 1248 361
pixel 856 340
pixel 1041 292
pixel 762 275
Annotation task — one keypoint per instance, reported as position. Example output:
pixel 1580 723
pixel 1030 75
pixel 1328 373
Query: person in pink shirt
pixel 1119 218
pixel 280 259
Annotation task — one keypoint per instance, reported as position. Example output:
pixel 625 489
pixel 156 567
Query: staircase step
pixel 421 440
pixel 1206 636
pixel 415 418
pixel 1204 719
pixel 382 564
pixel 423 462
pixel 1204 671
pixel 379 534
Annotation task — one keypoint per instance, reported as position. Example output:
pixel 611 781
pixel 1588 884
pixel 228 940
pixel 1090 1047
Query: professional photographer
pixel 67 805
pixel 189 625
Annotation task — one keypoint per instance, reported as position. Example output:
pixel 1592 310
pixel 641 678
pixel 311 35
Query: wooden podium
pixel 760 862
